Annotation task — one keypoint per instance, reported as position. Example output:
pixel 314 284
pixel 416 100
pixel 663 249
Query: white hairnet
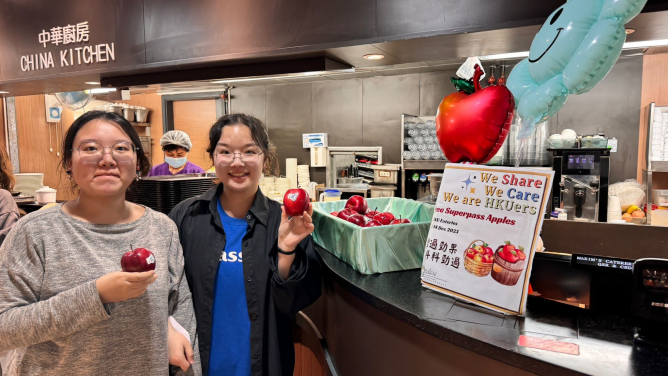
pixel 178 138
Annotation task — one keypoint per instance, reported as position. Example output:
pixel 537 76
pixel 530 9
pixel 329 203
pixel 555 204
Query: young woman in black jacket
pixel 248 265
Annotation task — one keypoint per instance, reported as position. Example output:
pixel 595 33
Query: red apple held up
pixel 345 213
pixel 384 218
pixel 400 221
pixel 372 213
pixel 296 202
pixel 357 219
pixel 358 204
pixel 373 223
pixel 138 261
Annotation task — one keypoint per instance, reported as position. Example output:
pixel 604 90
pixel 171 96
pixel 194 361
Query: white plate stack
pixel 303 177
pixel 291 171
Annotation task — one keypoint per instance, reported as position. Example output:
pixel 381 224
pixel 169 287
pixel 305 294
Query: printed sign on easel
pixel 484 231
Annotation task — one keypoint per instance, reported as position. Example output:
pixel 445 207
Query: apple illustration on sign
pixel 296 202
pixel 138 260
pixel 472 127
pixel 358 204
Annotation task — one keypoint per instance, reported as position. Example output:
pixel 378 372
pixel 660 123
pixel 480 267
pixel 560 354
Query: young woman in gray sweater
pixel 65 308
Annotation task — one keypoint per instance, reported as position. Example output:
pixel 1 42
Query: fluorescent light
pixel 91 83
pixel 221 90
pixel 646 43
pixel 4 92
pixel 374 56
pixel 243 79
pixel 510 55
pixel 101 90
pixel 284 76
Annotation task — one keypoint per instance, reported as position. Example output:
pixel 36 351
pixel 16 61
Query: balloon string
pixel 520 151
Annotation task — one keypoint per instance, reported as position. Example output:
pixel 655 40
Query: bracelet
pixel 286 253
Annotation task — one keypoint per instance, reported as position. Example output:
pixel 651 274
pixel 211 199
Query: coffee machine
pixel 581 179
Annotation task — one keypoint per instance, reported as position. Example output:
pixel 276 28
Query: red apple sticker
pixel 358 204
pixel 472 128
pixel 138 261
pixel 296 202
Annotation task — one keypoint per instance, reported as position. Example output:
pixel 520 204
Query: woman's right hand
pixel 119 286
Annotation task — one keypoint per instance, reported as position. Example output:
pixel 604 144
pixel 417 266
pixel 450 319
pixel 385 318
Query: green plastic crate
pixel 375 249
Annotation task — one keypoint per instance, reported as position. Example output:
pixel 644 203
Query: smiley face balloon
pixel 574 50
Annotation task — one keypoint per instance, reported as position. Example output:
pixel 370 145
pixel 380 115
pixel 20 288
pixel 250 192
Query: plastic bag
pixel 630 192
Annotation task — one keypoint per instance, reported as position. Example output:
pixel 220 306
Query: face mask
pixel 176 162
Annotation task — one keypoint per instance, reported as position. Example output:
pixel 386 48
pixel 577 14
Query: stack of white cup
pixel 614 209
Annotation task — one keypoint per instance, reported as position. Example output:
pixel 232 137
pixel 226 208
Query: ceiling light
pixel 510 55
pixel 374 56
pixel 92 83
pixel 647 43
pixel 629 31
pixel 101 90
pixel 4 92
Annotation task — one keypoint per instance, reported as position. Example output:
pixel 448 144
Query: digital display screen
pixel 580 162
pixel 597 262
pixel 655 278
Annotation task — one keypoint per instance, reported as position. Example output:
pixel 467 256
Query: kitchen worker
pixel 249 266
pixel 176 145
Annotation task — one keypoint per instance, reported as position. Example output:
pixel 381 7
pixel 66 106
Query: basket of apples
pixel 509 262
pixel 479 258
pixel 374 235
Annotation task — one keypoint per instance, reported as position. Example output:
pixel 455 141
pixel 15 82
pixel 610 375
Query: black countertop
pixel 605 341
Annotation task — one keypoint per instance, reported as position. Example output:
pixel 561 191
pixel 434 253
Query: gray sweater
pixel 51 315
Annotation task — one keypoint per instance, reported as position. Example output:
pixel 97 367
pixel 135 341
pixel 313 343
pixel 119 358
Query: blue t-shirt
pixel 230 331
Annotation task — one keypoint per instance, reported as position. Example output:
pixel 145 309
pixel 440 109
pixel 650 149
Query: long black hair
pixel 258 132
pixel 126 127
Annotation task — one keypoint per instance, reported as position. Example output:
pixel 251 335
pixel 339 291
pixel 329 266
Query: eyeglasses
pixel 92 152
pixel 248 158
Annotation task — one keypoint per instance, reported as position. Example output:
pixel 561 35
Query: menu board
pixel 481 242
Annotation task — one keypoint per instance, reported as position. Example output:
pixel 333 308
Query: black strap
pixel 286 253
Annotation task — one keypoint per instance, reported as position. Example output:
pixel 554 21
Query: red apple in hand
pixel 296 202
pixel 371 213
pixel 400 221
pixel 345 213
pixel 138 261
pixel 384 218
pixel 358 204
pixel 373 223
pixel 357 219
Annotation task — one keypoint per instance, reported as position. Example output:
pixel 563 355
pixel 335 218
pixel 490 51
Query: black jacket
pixel 270 300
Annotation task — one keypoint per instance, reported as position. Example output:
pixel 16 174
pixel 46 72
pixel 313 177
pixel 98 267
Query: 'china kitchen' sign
pixel 75 52
pixel 483 235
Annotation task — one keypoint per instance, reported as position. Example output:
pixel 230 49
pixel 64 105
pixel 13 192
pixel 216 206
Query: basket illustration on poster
pixel 509 263
pixel 479 258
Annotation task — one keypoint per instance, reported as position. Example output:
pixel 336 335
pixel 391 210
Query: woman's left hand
pixel 295 229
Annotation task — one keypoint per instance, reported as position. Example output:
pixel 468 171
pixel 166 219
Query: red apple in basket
pixel 296 202
pixel 357 219
pixel 472 128
pixel 334 213
pixel 384 218
pixel 345 213
pixel 372 213
pixel 400 221
pixel 358 204
pixel 138 261
pixel 373 223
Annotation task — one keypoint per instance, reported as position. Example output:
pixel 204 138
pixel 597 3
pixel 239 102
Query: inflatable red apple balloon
pixel 472 128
